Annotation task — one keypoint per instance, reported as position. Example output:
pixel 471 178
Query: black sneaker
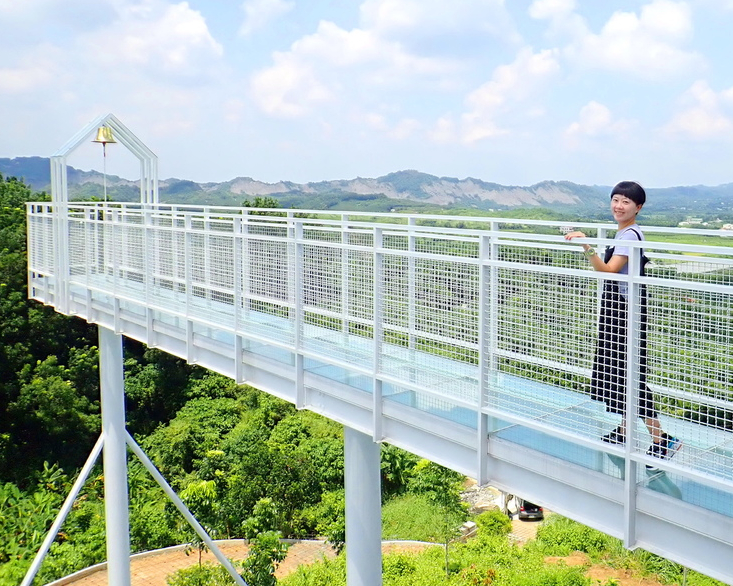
pixel 664 450
pixel 615 437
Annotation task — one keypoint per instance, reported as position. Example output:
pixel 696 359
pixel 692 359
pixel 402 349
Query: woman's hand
pixel 577 234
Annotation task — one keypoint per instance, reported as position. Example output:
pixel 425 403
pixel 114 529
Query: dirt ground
pixel 602 573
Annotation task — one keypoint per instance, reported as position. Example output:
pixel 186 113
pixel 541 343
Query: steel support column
pixel 363 510
pixel 115 458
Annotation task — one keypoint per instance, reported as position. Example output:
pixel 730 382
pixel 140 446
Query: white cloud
pixel 595 120
pixel 650 45
pixel 506 93
pixel 405 128
pixel 259 13
pixel 150 42
pixel 723 4
pixel 233 110
pixel 444 131
pixel 78 14
pixel 335 46
pixel 170 40
pixel 289 88
pixel 320 66
pixel 376 121
pixel 35 71
pixel 542 9
pixel 151 62
pixel 704 114
pixel 418 19
pixel 343 48
pixel 400 45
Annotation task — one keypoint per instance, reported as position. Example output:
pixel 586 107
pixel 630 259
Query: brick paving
pixel 152 568
pixel 523 531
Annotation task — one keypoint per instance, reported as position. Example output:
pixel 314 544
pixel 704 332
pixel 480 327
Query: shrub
pixel 493 522
pixel 398 565
pixel 414 517
pixel 206 574
pixel 561 536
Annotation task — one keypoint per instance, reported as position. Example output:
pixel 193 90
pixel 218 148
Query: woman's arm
pixel 614 265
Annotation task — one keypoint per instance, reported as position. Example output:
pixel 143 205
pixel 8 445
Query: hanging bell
pixel 104 135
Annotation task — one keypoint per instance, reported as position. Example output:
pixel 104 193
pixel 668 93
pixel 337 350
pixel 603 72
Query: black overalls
pixel 608 381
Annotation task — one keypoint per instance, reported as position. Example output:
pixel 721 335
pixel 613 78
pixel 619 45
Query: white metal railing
pixel 467 314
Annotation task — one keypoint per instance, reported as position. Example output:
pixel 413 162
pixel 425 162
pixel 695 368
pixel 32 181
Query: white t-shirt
pixel 634 233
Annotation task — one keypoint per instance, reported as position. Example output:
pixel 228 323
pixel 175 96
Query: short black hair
pixel 632 190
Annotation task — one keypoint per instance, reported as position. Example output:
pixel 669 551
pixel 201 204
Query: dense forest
pixel 247 464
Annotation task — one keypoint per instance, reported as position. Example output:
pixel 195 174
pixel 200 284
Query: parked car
pixel 529 511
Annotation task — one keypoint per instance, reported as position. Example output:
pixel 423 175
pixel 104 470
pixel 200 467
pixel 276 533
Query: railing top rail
pixel 501 227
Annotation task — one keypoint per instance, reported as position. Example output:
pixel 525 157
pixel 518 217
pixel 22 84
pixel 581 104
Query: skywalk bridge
pixel 467 341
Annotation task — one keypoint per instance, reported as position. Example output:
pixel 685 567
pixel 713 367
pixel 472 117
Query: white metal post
pixel 377 386
pixel 487 314
pixel 297 269
pixel 345 287
pixel 411 283
pixel 363 510
pixel 237 297
pixel 633 293
pixel 115 458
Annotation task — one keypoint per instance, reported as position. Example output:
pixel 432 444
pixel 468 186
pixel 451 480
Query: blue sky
pixel 513 92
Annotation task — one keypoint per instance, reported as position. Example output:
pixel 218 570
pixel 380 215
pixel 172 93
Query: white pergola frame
pixel 148 159
pixel 114 440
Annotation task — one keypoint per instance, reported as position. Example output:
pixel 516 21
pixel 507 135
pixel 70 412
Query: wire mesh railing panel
pixel 197 258
pixel 266 292
pixel 167 258
pixel 358 238
pixel 322 284
pixel 262 226
pixel 445 303
pixel 40 239
pixel 393 241
pixel 129 253
pixel 79 247
pixel 322 234
pixel 693 342
pixel 221 255
pixel 546 320
pixel 397 310
pixel 268 270
pixel 690 355
pixel 359 267
pixel 456 246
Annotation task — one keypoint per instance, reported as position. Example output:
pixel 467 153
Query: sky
pixel 508 91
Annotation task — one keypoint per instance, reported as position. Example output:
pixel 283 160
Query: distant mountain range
pixel 403 190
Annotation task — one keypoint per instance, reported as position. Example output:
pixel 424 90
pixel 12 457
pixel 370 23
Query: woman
pixel 608 381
